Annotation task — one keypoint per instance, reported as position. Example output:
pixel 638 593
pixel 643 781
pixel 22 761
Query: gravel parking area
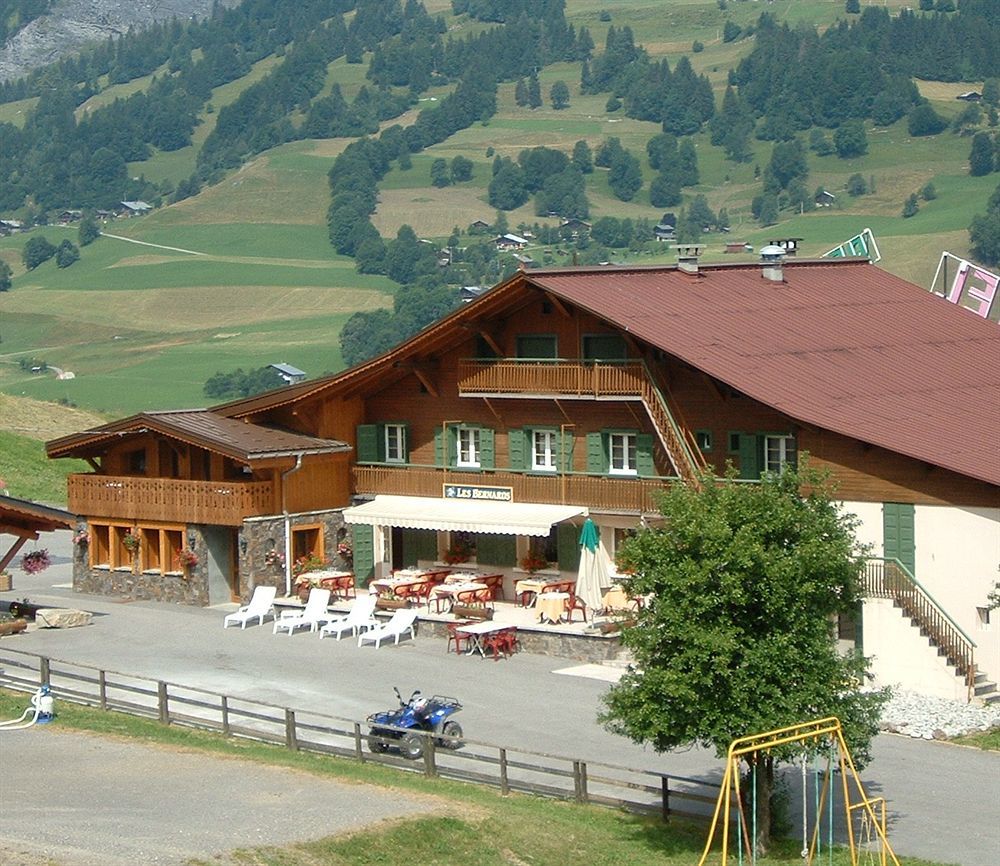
pixel 85 800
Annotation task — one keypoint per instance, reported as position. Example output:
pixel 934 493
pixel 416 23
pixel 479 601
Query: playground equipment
pixel 864 818
pixel 42 710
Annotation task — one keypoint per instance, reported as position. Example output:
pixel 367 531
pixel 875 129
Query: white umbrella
pixel 593 576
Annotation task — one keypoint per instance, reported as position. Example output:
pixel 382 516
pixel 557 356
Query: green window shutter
pixel 564 458
pixel 515 447
pixel 368 443
pixel 419 544
pixel 750 456
pixel 597 452
pixel 568 545
pixel 364 552
pixel 644 454
pixel 499 550
pixel 898 538
pixel 445 444
pixel 604 347
pixel 487 448
pixel 406 443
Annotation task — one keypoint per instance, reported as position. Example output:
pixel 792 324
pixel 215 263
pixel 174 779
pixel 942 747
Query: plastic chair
pixel 574 602
pixel 311 615
pixel 419 592
pixel 495 583
pixel 258 607
pixel 342 586
pixel 402 621
pixel 461 641
pixel 359 618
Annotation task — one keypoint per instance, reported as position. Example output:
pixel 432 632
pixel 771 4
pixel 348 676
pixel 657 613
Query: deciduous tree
pixel 743 580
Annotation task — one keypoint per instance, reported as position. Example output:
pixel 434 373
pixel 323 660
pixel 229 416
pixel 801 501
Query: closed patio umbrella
pixel 593 576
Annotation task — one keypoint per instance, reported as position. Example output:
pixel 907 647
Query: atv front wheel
pixel 411 745
pixel 377 744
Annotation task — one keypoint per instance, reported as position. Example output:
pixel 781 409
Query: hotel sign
pixel 478 492
pixel 972 287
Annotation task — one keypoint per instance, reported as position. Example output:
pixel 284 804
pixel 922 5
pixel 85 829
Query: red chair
pixel 499 643
pixel 460 640
pixel 475 598
pixel 340 586
pixel 495 584
pixel 574 602
pixel 419 592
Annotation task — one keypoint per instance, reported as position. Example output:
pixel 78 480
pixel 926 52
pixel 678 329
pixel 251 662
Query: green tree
pixel 5 276
pixel 853 7
pixel 36 251
pixel 911 206
pixel 534 92
pixel 440 176
pixel 856 185
pixel 582 157
pixel 731 31
pixel 991 91
pixel 928 192
pixel 88 232
pixel 559 94
pixel 625 176
pixel 984 232
pixel 767 212
pixel 665 189
pixel 67 254
pixel 924 120
pixel 461 169
pixel 507 189
pixel 850 139
pixel 981 154
pixel 743 581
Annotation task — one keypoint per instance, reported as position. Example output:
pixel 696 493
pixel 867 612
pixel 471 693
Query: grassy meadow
pixel 252 279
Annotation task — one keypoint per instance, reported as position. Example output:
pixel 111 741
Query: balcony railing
pixel 224 503
pixel 632 495
pixel 622 380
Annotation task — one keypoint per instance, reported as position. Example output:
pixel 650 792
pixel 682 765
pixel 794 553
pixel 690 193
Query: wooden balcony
pixel 629 495
pixel 224 503
pixel 580 379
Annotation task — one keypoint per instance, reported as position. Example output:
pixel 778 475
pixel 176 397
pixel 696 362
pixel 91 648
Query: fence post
pixel 161 702
pixel 43 671
pixel 291 741
pixel 504 785
pixel 225 716
pixel 665 798
pixel 430 767
pixel 584 797
pixel 102 688
pixel 358 752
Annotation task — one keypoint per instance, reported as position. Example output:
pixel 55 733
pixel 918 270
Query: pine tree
pixel 534 92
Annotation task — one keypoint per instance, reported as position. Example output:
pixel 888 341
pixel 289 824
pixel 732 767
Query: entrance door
pixel 898 539
pixel 223 577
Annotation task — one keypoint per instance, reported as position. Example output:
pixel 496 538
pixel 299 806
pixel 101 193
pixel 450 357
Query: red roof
pixel 840 345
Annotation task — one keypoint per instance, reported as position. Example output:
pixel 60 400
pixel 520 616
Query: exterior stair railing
pixel 889 578
pixel 603 380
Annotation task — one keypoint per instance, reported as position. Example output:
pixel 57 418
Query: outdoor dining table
pixel 551 606
pixel 449 591
pixel 479 630
pixel 534 585
pixel 404 577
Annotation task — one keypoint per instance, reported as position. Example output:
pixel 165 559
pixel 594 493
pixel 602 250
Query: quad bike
pixel 400 728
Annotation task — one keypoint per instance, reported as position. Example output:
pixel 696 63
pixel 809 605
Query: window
pixel 158 549
pixel 779 451
pixel 604 347
pixel 395 443
pixel 983 616
pixel 135 462
pixel 703 438
pixel 468 446
pixel 623 453
pixel 307 541
pixel 537 346
pixel 543 450
pixel 734 443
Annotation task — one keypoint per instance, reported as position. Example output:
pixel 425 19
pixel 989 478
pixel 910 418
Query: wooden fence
pixel 509 768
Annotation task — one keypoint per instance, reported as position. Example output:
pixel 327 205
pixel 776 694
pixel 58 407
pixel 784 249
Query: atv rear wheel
pixel 411 745
pixel 377 744
pixel 451 735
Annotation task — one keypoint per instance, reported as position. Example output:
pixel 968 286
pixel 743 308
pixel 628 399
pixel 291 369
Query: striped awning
pixel 500 518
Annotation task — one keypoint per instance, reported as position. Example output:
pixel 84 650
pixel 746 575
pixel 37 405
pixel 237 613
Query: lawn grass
pixel 29 474
pixel 479 826
pixel 987 740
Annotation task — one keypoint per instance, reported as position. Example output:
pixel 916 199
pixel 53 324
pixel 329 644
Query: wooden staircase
pixel 889 578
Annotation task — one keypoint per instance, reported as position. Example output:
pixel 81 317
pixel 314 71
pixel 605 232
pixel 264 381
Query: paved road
pixel 944 800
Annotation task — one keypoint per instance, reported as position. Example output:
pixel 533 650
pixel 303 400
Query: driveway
pixel 943 799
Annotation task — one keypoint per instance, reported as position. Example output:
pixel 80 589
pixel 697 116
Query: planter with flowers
pixel 36 561
pixel 133 541
pixel 187 559
pixel 6 581
pixel 275 559
pixel 461 550
pixel 532 562
pixel 346 552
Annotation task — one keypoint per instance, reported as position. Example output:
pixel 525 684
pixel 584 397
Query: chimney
pixel 687 257
pixel 772 257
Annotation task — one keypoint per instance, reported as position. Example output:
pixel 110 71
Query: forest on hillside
pixel 808 92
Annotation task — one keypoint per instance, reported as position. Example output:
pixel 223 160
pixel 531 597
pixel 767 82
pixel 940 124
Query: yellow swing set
pixel 864 818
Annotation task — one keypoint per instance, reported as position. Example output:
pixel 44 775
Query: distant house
pixel 70 216
pixel 479 227
pixel 525 261
pixel 9 227
pixel 290 374
pixel 970 96
pixel 574 226
pixel 737 247
pixel 824 198
pixel 105 214
pixel 510 242
pixel 134 208
pixel 470 293
pixel 664 232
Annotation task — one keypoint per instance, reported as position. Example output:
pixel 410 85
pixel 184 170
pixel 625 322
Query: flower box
pixel 391 603
pixel 6 582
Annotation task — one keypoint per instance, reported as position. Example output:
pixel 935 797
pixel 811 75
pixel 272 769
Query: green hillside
pixel 252 279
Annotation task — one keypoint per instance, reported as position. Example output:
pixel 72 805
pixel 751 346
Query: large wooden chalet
pixel 562 393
